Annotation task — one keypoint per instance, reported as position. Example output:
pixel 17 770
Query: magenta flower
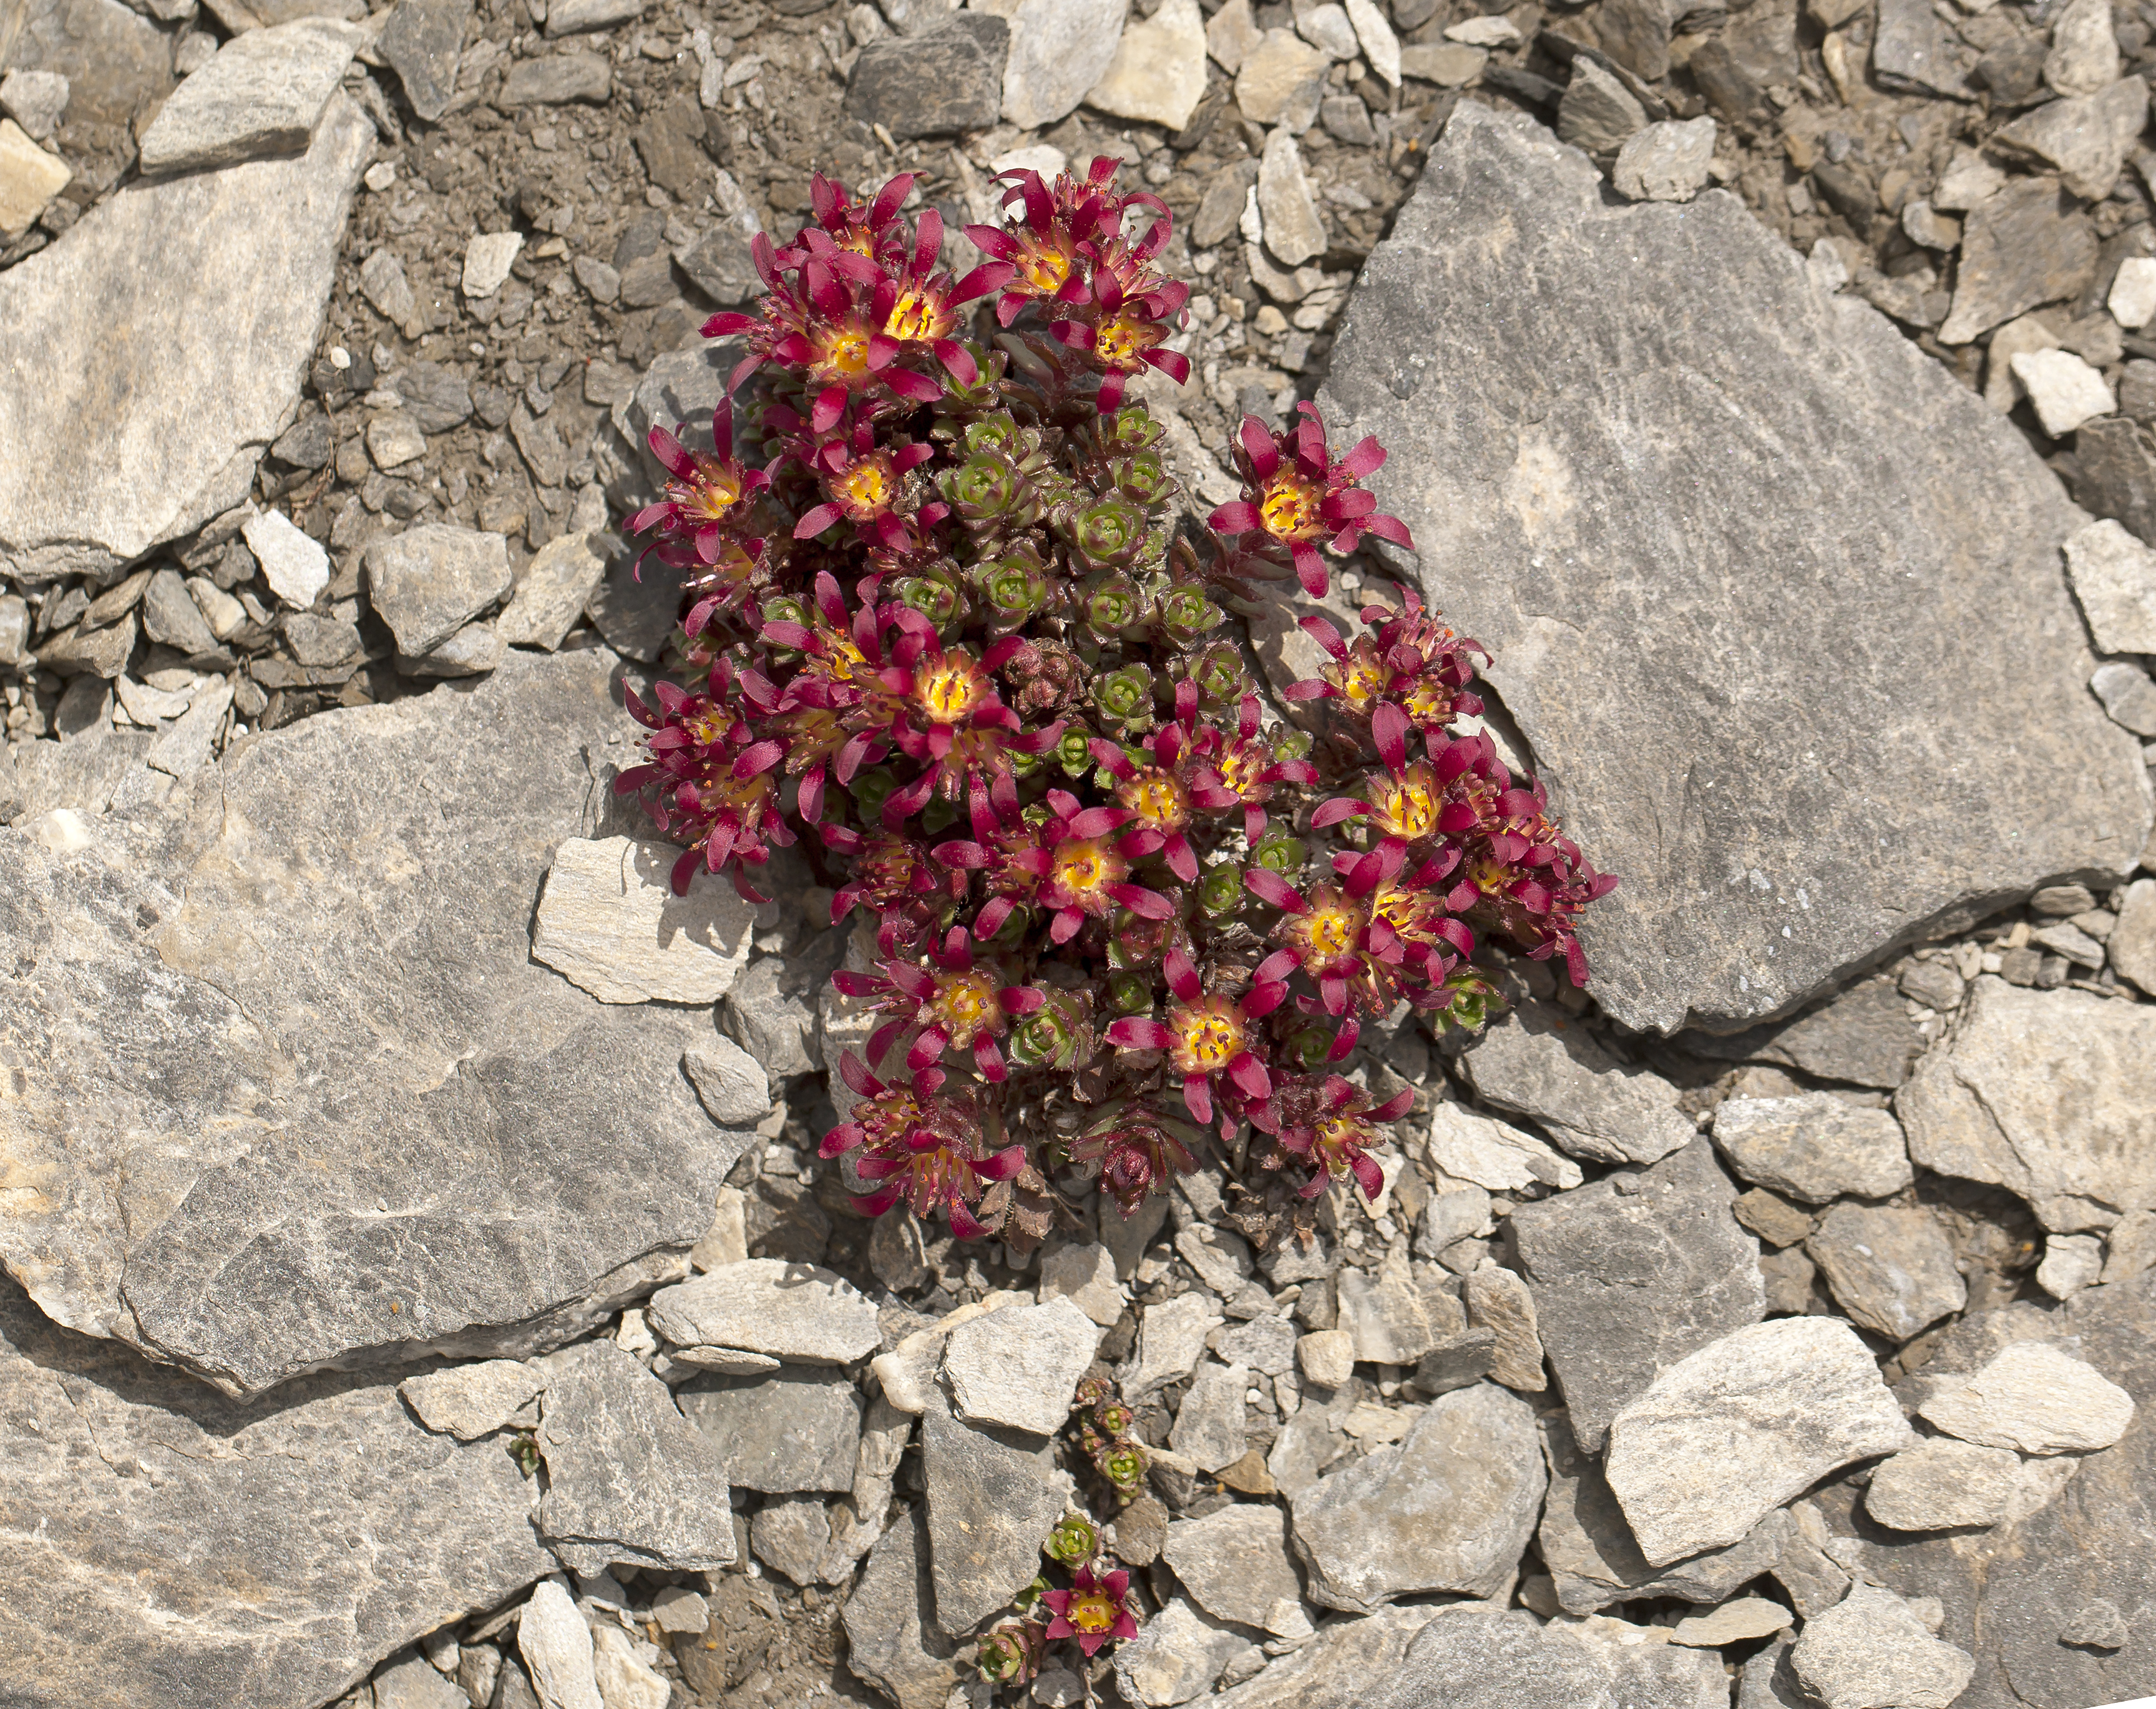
pixel 956 1005
pixel 1206 1035
pixel 1296 497
pixel 1093 1610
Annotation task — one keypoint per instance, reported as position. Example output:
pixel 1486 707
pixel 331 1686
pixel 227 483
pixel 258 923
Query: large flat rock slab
pixel 168 1547
pixel 279 1083
pixel 135 401
pixel 1778 605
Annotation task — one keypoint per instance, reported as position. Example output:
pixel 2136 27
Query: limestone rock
pixel 610 923
pixel 1814 1146
pixel 1020 1367
pixel 2114 577
pixel 2023 247
pixel 296 567
pixel 1472 1653
pixel 2084 56
pixel 1870 1651
pixel 1236 1563
pixel 1294 225
pixel 2084 138
pixel 1891 1270
pixel 1940 1484
pixel 993 1495
pixel 429 582
pixel 470 1401
pixel 113 59
pixel 1730 1432
pixel 1450 1509
pixel 1337 1669
pixel 1862 1035
pixel 560 580
pixel 796 1313
pixel 1059 50
pixel 785 1432
pixel 950 79
pixel 1086 1276
pixel 1730 817
pixel 1171 1342
pixel 1536 1062
pixel 136 440
pixel 144 1486
pixel 1176 1657
pixel 1282 81
pixel 1626 1282
pixel 1158 73
pixel 630 1481
pixel 892 1638
pixel 556 1647
pixel 1591 1553
pixel 422 43
pixel 262 94
pixel 729 1083
pixel 1208 1425
pixel 2035 1399
pixel 1598 113
pixel 2041 1092
pixel 29 179
pixel 1466 1147
pixel 1667 162
pixel 348 1117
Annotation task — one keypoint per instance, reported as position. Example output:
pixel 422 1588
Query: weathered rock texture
pixel 287 1089
pixel 117 443
pixel 1741 550
pixel 168 1545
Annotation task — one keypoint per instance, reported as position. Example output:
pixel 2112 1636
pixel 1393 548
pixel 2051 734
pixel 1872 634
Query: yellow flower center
pixel 1044 271
pixel 1406 803
pixel 846 353
pixel 1239 767
pixel 1119 342
pixel 1487 875
pixel 1208 1036
pixel 1083 867
pixel 715 490
pixel 964 1004
pixel 1158 799
pixel 721 790
pixel 1361 676
pixel 1092 1612
pixel 1331 926
pixel 1428 703
pixel 949 690
pixel 915 318
pixel 866 486
pixel 709 725
pixel 1289 507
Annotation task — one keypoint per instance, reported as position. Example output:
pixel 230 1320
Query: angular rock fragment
pixel 784 1433
pixel 948 79
pixel 993 1495
pixel 630 1482
pixel 1176 1657
pixel 1537 1063
pixel 1171 1342
pixel 554 79
pixel 1863 1036
pixel 796 1313
pixel 609 922
pixel 379 1129
pixel 2037 1092
pixel 1208 1425
pixel 263 94
pixel 891 1636
pixel 422 43
pixel 2035 1399
pixel 1730 818
pixel 1891 1270
pixel 136 440
pixel 115 59
pixel 729 1083
pixel 1336 1670
pixel 1870 1651
pixel 143 1487
pixel 1632 1273
pixel 1940 1484
pixel 1730 1432
pixel 470 1401
pixel 556 1647
pixel 1477 1654
pixel 1450 1509
pixel 1059 50
pixel 1236 1563
pixel 1158 73
pixel 1020 1367
pixel 1814 1146
pixel 1667 162
pixel 2114 577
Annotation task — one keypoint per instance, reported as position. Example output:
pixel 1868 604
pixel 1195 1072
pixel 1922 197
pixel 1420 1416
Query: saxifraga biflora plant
pixel 953 641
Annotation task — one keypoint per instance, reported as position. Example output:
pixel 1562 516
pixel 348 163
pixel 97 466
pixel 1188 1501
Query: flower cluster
pixel 1093 1609
pixel 952 638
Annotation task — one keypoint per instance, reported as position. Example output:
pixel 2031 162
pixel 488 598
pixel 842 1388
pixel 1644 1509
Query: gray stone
pixel 1235 1562
pixel 681 392
pixel 145 1488
pixel 1814 1146
pixel 792 1538
pixel 630 1482
pixel 1667 162
pixel 351 1121
pixel 2035 1399
pixel 1506 1659
pixel 993 1495
pixel 429 582
pixel 1059 50
pixel 35 100
pixel 2114 577
pixel 722 262
pixel 1336 1669
pixel 132 441
pixel 1450 1509
pixel 1592 1558
pixel 1265 1344
pixel 556 586
pixel 553 79
pixel 1912 53
pixel 2084 57
pixel 470 1401
pixel 263 94
pixel 1282 81
pixel 2132 946
pixel 2085 139
pixel 1598 112
pixel 1176 1657
pixel 729 1083
pixel 1891 1270
pixel 768 1013
pixel 891 1637
pixel 1499 1302
pixel 555 1646
pixel 1864 1036
pixel 1020 1367
pixel 410 1681
pixel 1466 1148
pixel 1953 497
pixel 1732 1431
pixel 296 567
pixel 183 746
pixel 1941 1483
pixel 1158 72
pixel 171 615
pixel 1171 1342
pixel 1208 1424
pixel 2038 1092
pixel 575 16
pixel 783 1433
pixel 1737 1622
pixel 115 61
pixel 635 607
pixel 2027 245
pixel 30 178
pixel 2129 696
pixel 796 1312
pixel 1870 1651
pixel 1294 225
pixel 1538 1062
pixel 946 80
pixel 1086 1276
pixel 1387 1315
pixel 610 923
pixel 1631 1273
pixel 473 651
pixel 422 43
pixel 436 398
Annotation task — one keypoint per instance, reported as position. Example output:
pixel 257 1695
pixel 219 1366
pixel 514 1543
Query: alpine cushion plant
pixel 953 640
